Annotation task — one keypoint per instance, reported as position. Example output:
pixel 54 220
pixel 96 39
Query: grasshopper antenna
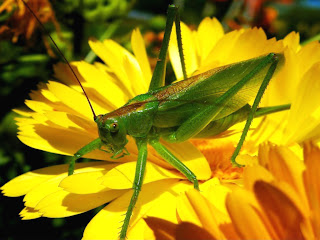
pixel 61 54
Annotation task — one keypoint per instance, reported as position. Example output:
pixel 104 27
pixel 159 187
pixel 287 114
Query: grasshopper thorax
pixel 113 133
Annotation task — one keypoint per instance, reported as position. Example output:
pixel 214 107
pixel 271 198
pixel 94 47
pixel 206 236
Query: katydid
pixel 201 106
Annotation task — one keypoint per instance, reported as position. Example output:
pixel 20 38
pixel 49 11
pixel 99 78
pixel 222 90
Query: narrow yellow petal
pixel 23 112
pixel 37 106
pixel 111 93
pixel 287 167
pixel 66 120
pixel 134 72
pixel 74 99
pixel 244 212
pixel 113 55
pixel 139 50
pixel 311 183
pixel 283 215
pixel 189 50
pixel 63 73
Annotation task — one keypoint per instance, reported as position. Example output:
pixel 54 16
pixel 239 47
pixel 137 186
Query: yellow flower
pixel 280 200
pixel 281 196
pixel 61 122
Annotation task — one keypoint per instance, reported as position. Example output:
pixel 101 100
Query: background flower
pixel 279 200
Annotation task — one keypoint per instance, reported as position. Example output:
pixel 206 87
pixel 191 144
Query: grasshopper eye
pixel 114 127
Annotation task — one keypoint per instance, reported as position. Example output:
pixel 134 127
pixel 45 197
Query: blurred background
pixel 27 56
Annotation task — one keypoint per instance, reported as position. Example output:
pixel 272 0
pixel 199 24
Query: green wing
pixel 180 100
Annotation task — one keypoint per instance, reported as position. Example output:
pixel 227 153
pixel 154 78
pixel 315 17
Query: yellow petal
pixel 166 206
pixel 63 204
pixel 111 94
pixel 192 158
pixel 286 166
pixel 304 116
pixel 307 57
pixel 37 106
pixel 22 184
pixel 106 224
pixel 29 213
pixel 283 215
pixel 312 186
pixel 292 40
pixel 70 121
pixel 189 231
pixel 243 208
pixel 189 51
pixel 162 229
pixel 74 99
pixel 139 50
pixel 51 185
pixel 23 112
pixel 122 176
pixel 87 182
pixel 61 141
pixel 134 72
pixel 194 208
pixel 113 55
pixel 184 231
pixel 63 73
pixel 208 27
pixel 141 230
pixel 216 193
pixel 255 173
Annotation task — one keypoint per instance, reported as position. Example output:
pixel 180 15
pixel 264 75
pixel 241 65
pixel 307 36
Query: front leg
pixel 137 184
pixel 95 144
pixel 174 161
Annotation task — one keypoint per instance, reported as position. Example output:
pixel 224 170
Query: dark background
pixel 25 63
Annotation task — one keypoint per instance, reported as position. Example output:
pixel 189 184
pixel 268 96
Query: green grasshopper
pixel 201 106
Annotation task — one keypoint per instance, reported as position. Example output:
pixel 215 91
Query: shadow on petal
pixel 166 230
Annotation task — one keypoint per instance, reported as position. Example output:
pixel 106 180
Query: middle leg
pixel 174 161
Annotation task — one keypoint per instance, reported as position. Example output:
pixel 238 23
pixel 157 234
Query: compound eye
pixel 114 127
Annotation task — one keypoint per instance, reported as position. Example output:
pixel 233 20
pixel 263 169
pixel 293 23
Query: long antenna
pixel 61 54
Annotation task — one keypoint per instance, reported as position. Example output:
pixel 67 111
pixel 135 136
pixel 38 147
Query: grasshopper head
pixel 113 134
